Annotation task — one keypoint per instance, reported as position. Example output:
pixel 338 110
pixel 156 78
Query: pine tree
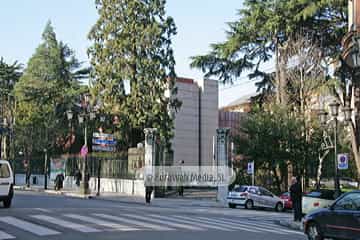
pixel 132 46
pixel 48 86
pixel 264 30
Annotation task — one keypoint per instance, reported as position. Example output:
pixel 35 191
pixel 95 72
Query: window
pixel 241 189
pixel 253 190
pixel 4 171
pixel 265 192
pixel 349 202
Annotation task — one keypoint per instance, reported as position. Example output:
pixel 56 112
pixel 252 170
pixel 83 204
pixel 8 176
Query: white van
pixel 6 183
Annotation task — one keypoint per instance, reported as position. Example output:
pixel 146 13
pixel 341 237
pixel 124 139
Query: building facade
pixel 196 122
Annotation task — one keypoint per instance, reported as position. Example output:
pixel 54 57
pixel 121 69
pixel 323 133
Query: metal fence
pixel 107 165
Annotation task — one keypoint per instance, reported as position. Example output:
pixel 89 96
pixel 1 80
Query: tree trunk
pixel 319 170
pixel 283 80
pixel 277 180
pixel 277 72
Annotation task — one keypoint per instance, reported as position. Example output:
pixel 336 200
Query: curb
pixel 153 204
pixel 290 224
pixel 119 200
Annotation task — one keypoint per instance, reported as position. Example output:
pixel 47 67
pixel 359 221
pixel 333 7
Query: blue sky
pixel 199 23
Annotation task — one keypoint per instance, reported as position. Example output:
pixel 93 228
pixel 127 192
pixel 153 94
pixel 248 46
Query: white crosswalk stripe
pixel 171 224
pixel 246 226
pixel 263 226
pixel 224 227
pixel 4 235
pixel 66 224
pixel 138 223
pixel 206 226
pixel 28 226
pixel 100 222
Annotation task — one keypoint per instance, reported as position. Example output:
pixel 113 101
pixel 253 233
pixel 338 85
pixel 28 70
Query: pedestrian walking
pixel 77 177
pixel 181 183
pixel 296 195
pixel 148 192
pixel 59 181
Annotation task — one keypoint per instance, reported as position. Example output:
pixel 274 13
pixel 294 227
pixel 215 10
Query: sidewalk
pixel 290 224
pixel 129 199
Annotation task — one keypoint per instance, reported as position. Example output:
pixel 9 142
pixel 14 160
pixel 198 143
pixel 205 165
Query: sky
pixel 199 24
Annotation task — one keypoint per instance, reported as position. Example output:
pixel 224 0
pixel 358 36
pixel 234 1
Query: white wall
pixel 109 185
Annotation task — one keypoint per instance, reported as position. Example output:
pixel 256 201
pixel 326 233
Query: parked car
pixel 6 183
pixel 287 200
pixel 254 196
pixel 341 220
pixel 317 199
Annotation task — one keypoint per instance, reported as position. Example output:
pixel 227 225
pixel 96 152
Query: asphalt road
pixel 41 216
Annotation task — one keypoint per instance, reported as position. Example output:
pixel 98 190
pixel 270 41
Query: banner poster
pixel 57 166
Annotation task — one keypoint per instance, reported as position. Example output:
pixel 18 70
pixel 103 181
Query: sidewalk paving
pixel 290 224
pixel 129 199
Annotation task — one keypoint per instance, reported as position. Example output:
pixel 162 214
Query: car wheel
pixel 7 203
pixel 249 204
pixel 313 232
pixel 279 207
pixel 231 205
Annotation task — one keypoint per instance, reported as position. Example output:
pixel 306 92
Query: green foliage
pixel 49 84
pixel 132 46
pixel 275 139
pixel 263 26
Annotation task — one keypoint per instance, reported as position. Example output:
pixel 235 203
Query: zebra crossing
pixel 47 225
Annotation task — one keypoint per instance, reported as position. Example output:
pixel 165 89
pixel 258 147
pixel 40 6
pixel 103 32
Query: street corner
pixel 290 224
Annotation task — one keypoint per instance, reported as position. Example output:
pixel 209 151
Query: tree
pixel 9 75
pixel 132 46
pixel 274 141
pixel 263 32
pixel 47 88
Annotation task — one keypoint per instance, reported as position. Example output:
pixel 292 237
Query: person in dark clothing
pixel 148 192
pixel 59 181
pixel 296 195
pixel 181 187
pixel 77 177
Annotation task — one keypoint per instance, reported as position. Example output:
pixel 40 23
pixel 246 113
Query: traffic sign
pixel 84 151
pixel 343 161
pixel 250 168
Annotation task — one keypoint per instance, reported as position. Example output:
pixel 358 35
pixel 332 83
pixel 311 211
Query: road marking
pixel 224 227
pixel 4 235
pixel 264 226
pixel 172 224
pixel 27 226
pixel 202 225
pixel 43 210
pixel 66 224
pixel 138 223
pixel 243 225
pixel 101 222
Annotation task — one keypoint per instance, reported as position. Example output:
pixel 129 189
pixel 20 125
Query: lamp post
pixel 102 120
pixel 45 169
pixel 83 118
pixel 334 111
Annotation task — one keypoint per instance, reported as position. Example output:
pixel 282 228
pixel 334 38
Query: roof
pixel 240 100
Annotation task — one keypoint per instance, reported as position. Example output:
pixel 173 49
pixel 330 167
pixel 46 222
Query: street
pixel 41 216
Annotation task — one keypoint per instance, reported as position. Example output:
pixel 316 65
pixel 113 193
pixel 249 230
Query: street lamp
pixel 334 110
pixel 323 117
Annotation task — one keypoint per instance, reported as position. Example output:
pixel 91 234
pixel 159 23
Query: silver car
pixel 254 196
